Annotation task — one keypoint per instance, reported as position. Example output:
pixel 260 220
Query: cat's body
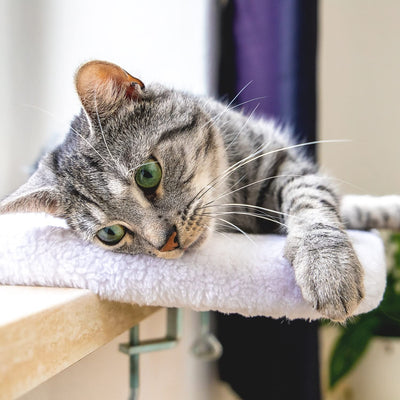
pixel 156 171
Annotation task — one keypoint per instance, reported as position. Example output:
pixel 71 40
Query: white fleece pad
pixel 230 273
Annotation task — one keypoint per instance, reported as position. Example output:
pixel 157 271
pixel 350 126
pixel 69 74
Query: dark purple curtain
pixel 268 47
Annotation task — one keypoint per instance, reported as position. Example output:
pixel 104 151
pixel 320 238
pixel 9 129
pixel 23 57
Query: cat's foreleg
pixel 325 264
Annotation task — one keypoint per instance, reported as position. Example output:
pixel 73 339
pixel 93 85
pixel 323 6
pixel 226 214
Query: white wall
pixel 359 87
pixel 42 43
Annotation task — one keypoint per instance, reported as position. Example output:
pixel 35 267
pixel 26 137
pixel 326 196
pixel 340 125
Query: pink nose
pixel 171 243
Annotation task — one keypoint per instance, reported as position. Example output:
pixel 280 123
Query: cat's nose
pixel 172 241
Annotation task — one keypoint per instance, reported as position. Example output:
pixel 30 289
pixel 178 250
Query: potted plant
pixel 355 338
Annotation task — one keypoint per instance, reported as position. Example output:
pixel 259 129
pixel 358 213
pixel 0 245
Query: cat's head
pixel 134 171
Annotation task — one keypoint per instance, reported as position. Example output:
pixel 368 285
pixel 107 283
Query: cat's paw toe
pixel 328 272
pixel 338 302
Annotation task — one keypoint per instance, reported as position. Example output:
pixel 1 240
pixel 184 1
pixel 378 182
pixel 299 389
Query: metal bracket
pixel 134 348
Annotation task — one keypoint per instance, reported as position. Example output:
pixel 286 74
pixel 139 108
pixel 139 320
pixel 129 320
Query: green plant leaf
pixel 350 346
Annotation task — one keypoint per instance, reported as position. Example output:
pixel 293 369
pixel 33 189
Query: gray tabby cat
pixel 156 171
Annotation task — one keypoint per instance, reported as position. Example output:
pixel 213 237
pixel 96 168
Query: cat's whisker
pixel 248 101
pixel 248 159
pixel 351 184
pixel 232 225
pixel 42 110
pixel 90 145
pixel 227 108
pixel 252 157
pixel 238 181
pixel 227 172
pixel 102 132
pixel 259 149
pixel 248 206
pixel 233 185
pixel 229 190
pixel 216 231
pixel 242 128
pixel 86 141
pixel 240 92
pixel 261 216
pixel 246 186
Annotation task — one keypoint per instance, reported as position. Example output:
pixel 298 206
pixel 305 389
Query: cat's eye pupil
pixel 109 231
pixel 111 235
pixel 148 176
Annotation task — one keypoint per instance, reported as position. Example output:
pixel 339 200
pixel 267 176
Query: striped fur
pixel 221 170
pixel 371 212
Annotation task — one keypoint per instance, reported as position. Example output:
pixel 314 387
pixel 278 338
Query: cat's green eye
pixel 111 235
pixel 148 176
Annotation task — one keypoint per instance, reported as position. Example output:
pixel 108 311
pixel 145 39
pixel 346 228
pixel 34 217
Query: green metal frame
pixel 134 348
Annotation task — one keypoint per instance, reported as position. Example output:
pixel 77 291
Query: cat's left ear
pixel 39 194
pixel 103 86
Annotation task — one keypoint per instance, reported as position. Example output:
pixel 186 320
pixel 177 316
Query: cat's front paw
pixel 327 270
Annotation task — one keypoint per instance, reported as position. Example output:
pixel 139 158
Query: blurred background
pixel 337 63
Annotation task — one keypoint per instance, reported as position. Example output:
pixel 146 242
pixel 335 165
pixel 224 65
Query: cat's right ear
pixel 38 194
pixel 103 86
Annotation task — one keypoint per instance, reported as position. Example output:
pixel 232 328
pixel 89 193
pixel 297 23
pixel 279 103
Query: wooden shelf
pixel 45 330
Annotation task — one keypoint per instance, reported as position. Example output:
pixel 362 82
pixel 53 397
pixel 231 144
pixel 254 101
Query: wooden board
pixel 45 330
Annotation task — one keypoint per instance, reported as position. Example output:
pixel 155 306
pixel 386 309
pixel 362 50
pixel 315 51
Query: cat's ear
pixel 102 86
pixel 38 194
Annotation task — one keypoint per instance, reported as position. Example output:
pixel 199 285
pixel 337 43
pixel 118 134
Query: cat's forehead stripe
pixel 171 134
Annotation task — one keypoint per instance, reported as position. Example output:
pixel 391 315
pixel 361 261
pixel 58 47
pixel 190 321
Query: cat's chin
pixel 170 255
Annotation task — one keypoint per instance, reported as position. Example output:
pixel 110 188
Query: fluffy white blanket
pixel 230 274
